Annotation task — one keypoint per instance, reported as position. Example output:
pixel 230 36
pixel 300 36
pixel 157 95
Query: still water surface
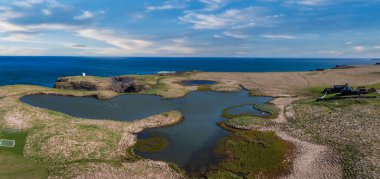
pixel 191 141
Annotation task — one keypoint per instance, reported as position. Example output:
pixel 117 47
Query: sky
pixel 233 28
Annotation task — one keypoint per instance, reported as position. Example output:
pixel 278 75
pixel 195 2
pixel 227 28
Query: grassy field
pixel 254 154
pixel 246 122
pixel 349 126
pixel 14 164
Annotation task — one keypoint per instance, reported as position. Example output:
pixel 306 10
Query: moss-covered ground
pixel 254 154
pixel 152 144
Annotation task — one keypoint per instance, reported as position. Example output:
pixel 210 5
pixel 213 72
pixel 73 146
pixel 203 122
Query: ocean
pixel 44 71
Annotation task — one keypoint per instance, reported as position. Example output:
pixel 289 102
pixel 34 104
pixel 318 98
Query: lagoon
pixel 191 142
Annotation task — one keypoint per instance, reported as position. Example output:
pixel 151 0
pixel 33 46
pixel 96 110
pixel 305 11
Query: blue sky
pixel 252 28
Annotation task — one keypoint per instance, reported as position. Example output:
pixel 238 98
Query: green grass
pixel 344 103
pixel 19 137
pixel 254 154
pixel 13 164
pixel 152 144
pixel 268 108
pixel 315 91
pixel 89 127
pixel 176 168
pixel 376 86
pixel 158 88
pixel 245 121
pixel 204 87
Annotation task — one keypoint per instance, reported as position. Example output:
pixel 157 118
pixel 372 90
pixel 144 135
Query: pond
pixel 197 82
pixel 190 143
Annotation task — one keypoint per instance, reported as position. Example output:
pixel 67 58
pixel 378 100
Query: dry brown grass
pixel 295 83
pixel 350 127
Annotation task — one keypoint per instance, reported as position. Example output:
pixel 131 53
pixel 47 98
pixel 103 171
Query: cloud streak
pixel 230 19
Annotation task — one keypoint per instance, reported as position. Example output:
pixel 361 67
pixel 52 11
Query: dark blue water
pixel 45 70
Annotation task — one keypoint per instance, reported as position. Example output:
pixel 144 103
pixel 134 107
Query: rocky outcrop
pixel 65 83
pixel 126 85
pixel 121 84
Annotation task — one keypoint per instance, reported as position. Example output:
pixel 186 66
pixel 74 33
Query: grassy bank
pixel 266 108
pixel 253 154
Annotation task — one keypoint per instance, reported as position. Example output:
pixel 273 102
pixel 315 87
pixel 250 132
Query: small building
pixel 335 89
pixel 346 90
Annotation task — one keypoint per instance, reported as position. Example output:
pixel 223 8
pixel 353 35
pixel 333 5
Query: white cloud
pixel 279 36
pixel 176 46
pixel 124 45
pixel 27 3
pixel 137 16
pixel 8 27
pixel 46 12
pixel 18 38
pixel 236 35
pixel 377 47
pixel 331 52
pixel 6 50
pixel 110 37
pixel 85 15
pixel 360 49
pixel 9 15
pixel 214 4
pixel 168 5
pixel 3 8
pixel 290 37
pixel 307 2
pixel 229 19
pixel 349 42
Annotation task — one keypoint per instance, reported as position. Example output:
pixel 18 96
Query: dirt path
pixel 311 160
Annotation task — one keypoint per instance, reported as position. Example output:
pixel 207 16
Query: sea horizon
pixel 44 70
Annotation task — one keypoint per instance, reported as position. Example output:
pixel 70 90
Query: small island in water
pixel 196 125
